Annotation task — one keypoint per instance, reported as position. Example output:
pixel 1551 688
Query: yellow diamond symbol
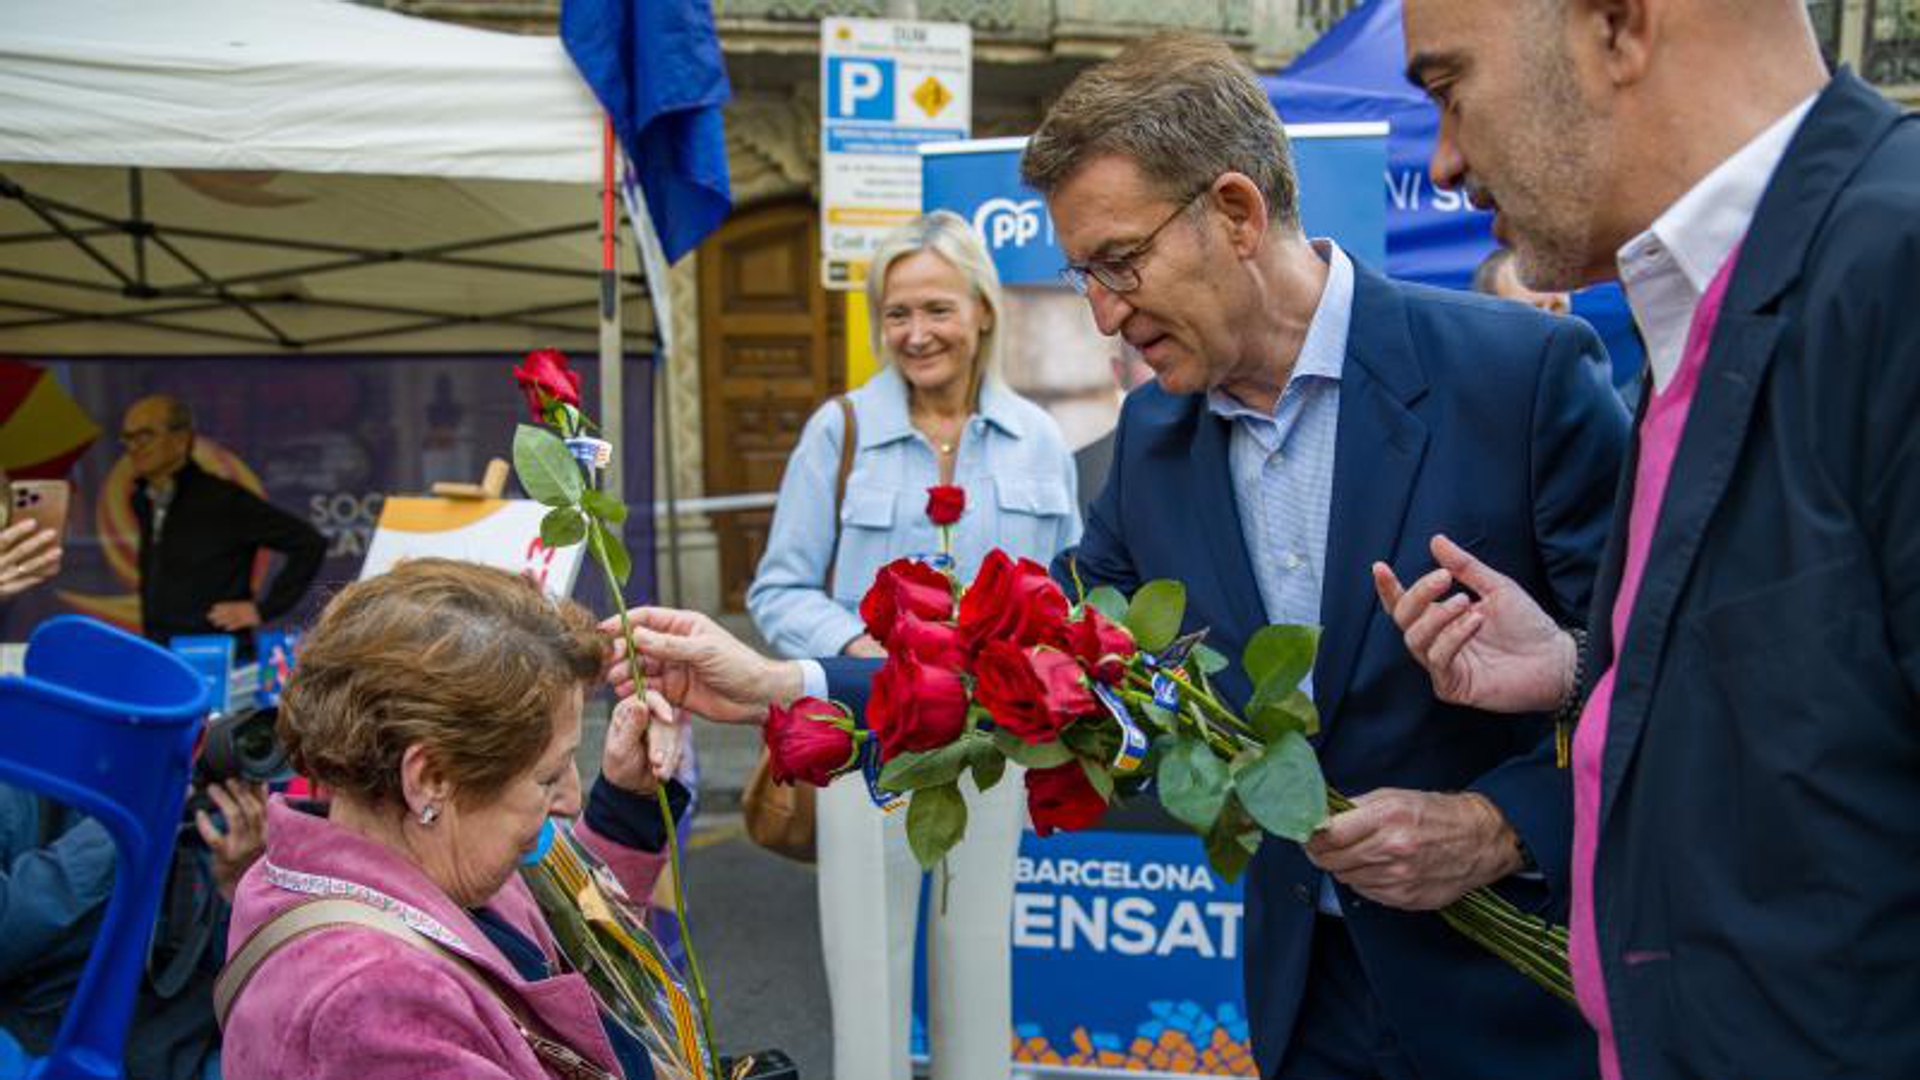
pixel 931 96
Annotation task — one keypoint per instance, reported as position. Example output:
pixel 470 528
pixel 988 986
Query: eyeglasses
pixel 139 437
pixel 1121 273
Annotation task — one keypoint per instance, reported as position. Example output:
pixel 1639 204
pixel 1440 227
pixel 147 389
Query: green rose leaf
pixel 1294 712
pixel 619 563
pixel 1110 602
pixel 545 468
pixel 1209 660
pixel 562 527
pixel 1282 789
pixel 1193 784
pixel 1231 843
pixel 911 771
pixel 936 819
pixel 1155 613
pixel 1099 777
pixel 1282 655
pixel 604 506
pixel 1020 752
pixel 1162 719
pixel 988 765
pixel 1093 737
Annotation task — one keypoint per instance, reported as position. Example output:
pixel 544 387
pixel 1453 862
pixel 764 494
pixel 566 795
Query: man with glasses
pixel 1310 417
pixel 199 536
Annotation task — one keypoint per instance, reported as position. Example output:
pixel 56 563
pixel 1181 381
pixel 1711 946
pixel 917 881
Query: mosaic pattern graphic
pixel 1183 1037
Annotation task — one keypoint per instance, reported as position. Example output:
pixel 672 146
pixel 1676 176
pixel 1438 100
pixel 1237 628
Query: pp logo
pixel 1007 222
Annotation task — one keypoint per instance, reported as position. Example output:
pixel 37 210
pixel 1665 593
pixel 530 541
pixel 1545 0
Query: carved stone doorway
pixel 770 353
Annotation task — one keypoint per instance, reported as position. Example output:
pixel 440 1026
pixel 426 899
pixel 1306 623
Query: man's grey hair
pixel 1183 108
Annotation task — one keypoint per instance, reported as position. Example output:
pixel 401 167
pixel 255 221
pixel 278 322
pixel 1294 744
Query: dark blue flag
pixel 656 67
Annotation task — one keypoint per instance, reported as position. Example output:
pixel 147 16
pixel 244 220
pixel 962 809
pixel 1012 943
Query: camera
pixel 239 745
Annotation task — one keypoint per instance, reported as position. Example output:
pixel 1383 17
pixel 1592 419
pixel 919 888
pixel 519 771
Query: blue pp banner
pixel 1339 166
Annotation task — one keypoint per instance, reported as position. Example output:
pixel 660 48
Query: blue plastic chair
pixel 105 722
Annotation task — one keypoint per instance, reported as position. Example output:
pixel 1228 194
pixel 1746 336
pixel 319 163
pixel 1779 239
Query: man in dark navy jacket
pixel 1309 417
pixel 1747 763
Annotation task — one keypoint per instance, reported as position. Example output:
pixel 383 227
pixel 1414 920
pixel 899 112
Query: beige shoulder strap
pixel 849 442
pixel 294 922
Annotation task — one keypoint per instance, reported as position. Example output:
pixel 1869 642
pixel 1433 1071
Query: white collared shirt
pixel 1666 269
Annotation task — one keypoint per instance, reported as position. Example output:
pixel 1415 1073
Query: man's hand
pixel 644 743
pixel 29 555
pixel 1500 652
pixel 864 646
pixel 244 806
pixel 1416 850
pixel 700 667
pixel 234 615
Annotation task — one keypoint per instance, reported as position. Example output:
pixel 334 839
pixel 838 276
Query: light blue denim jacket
pixel 1021 489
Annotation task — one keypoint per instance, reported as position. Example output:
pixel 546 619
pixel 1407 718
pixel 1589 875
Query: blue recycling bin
pixel 105 722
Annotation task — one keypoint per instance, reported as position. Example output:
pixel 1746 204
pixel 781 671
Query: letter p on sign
pixel 859 89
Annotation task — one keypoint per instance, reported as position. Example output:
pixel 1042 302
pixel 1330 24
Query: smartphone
pixel 44 501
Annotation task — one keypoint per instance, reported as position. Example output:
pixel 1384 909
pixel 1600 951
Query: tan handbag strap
pixel 849 439
pixel 294 922
pixel 314 915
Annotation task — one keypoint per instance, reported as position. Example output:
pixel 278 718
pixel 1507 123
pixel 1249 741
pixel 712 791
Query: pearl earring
pixel 429 814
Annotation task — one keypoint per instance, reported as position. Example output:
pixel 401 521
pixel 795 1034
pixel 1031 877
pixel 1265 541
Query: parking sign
pixel 886 87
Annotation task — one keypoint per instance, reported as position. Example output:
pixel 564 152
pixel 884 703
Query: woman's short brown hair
pixel 469 661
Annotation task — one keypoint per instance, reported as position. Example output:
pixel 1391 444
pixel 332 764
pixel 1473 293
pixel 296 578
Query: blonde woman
pixel 937 413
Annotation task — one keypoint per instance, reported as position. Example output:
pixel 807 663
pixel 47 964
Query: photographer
pixel 56 875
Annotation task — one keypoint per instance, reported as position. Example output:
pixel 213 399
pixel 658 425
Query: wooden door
pixel 769 354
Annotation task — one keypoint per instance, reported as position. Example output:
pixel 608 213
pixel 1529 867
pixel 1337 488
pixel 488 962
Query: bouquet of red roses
pixel 1097 698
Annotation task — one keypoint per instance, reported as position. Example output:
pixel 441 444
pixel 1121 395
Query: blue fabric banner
pixel 656 67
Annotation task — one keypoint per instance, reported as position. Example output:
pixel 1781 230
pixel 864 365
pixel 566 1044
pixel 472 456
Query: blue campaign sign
pixel 1126 958
pixel 859 88
pixel 1339 166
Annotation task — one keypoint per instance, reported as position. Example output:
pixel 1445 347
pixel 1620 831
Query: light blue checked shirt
pixel 1282 469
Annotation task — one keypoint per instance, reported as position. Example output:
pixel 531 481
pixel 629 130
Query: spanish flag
pixel 43 431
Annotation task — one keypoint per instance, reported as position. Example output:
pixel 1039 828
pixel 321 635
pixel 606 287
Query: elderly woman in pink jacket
pixel 439 706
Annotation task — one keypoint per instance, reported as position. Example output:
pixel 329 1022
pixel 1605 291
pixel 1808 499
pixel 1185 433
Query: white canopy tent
pixel 249 175
pixel 255 176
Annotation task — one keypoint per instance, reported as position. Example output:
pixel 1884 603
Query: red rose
pixel 936 643
pixel 945 503
pixel 545 373
pixel 1032 693
pixel 1062 798
pixel 915 706
pixel 1015 602
pixel 1102 646
pixel 905 587
pixel 804 742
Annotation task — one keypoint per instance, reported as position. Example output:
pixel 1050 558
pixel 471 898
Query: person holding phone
pixel 29 541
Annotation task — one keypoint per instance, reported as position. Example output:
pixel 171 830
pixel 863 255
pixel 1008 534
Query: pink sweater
pixel 355 1004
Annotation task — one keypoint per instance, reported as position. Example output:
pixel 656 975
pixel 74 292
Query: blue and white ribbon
pixel 1133 742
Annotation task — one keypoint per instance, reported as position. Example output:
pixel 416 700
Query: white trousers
pixel 869 885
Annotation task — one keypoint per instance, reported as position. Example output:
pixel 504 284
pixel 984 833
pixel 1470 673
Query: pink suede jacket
pixel 355 1004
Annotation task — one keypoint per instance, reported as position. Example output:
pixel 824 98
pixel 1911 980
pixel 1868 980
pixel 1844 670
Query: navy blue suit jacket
pixel 1759 864
pixel 1486 421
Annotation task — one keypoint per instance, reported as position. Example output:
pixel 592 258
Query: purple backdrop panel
pixel 323 437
